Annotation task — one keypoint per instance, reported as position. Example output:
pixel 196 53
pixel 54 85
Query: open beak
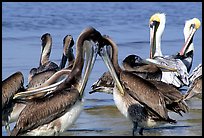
pixel 105 56
pixel 91 51
pixel 187 43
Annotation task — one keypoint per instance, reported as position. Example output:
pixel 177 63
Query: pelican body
pixel 55 112
pixel 136 98
pixel 37 75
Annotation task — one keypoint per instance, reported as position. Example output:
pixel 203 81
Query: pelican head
pixel 68 43
pixel 157 25
pixel 191 26
pixel 46 48
pixel 113 66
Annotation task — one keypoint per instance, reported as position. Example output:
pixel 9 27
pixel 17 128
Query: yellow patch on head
pixel 197 23
pixel 155 17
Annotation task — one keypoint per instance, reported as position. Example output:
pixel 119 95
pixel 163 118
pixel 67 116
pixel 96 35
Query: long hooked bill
pixel 91 51
pixel 163 67
pixel 186 44
pixel 106 59
pixel 35 92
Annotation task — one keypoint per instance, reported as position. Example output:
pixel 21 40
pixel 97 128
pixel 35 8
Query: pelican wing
pixel 145 93
pixel 11 86
pixel 173 97
pixel 43 111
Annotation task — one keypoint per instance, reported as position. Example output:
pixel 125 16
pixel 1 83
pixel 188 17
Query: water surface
pixel 23 24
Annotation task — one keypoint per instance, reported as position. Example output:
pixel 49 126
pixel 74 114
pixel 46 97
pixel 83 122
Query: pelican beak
pixel 37 92
pixel 91 51
pixel 63 61
pixel 162 67
pixel 153 29
pixel 105 56
pixel 188 41
pixel 194 26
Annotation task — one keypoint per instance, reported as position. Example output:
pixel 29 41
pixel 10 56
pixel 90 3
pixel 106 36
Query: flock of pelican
pixel 144 90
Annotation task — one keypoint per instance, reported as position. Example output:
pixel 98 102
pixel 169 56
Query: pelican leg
pixel 134 128
pixel 141 131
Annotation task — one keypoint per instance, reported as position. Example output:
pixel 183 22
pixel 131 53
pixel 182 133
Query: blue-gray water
pixel 127 23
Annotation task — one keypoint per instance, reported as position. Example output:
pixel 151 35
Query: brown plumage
pixel 195 89
pixel 131 63
pixel 10 86
pixel 51 114
pixel 140 100
pixel 30 118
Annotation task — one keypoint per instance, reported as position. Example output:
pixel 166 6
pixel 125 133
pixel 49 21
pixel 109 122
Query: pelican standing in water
pixel 39 76
pixel 181 61
pixel 57 111
pixel 136 98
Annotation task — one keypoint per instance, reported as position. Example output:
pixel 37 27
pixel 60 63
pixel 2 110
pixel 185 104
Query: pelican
pixel 157 24
pixel 195 88
pixel 187 52
pixel 132 63
pixel 45 63
pixel 56 112
pixel 67 52
pixel 181 61
pixel 10 86
pixel 39 76
pixel 46 67
pixel 135 64
pixel 136 98
pixel 140 66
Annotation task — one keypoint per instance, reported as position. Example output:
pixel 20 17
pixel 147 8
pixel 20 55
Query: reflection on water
pixel 127 23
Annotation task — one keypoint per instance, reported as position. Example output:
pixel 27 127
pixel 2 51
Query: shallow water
pixel 127 23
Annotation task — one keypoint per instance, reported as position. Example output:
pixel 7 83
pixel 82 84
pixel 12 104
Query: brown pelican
pixel 46 67
pixel 132 63
pixel 57 111
pixel 10 86
pixel 38 82
pixel 195 88
pixel 136 98
pixel 39 76
pixel 182 61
